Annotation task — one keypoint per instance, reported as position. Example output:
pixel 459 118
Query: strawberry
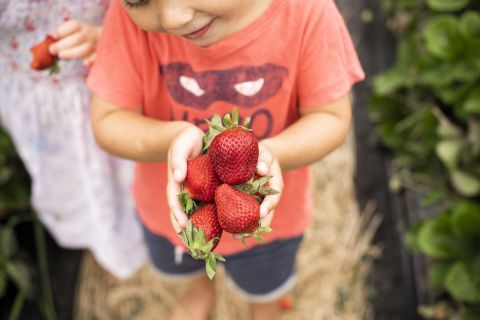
pixel 286 302
pixel 238 212
pixel 42 59
pixel 200 182
pixel 201 237
pixel 232 148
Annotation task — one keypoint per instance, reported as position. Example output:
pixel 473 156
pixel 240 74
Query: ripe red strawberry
pixel 201 236
pixel 201 180
pixel 238 212
pixel 286 302
pixel 42 59
pixel 232 148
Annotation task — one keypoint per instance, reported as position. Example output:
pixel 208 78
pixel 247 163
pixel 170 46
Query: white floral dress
pixel 81 194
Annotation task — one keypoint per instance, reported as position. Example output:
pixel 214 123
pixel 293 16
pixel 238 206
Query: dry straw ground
pixel 332 266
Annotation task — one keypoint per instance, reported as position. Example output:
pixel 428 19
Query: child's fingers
pixel 264 160
pixel 67 28
pixel 88 61
pixel 267 220
pixel 188 144
pixel 67 42
pixel 276 182
pixel 178 162
pixel 173 189
pixel 78 52
pixel 176 226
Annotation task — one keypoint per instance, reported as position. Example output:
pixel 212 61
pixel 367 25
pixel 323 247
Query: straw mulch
pixel 333 263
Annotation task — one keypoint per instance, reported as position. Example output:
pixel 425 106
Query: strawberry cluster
pixel 221 191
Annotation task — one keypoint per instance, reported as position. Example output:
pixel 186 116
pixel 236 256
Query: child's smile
pixel 202 22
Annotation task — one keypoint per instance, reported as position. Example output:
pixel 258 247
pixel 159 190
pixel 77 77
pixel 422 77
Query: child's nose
pixel 174 15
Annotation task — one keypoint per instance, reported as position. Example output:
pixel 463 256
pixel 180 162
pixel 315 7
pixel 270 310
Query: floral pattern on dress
pixel 81 193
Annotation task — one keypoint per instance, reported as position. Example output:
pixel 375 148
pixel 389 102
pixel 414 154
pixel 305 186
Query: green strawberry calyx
pixel 186 202
pixel 255 234
pixel 257 187
pixel 55 68
pixel 217 125
pixel 199 248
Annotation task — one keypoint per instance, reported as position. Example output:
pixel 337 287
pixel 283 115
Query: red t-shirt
pixel 298 53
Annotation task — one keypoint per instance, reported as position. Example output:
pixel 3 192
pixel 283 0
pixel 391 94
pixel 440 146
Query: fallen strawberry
pixel 233 149
pixel 42 59
pixel 200 182
pixel 239 213
pixel 201 237
pixel 286 302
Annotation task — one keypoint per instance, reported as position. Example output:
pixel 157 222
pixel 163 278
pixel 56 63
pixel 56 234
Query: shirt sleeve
pixel 116 73
pixel 329 64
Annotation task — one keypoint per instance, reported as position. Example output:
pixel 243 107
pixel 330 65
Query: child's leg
pixel 265 311
pixel 198 301
pixel 263 274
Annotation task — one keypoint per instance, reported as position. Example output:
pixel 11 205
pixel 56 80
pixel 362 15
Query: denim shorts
pixel 261 274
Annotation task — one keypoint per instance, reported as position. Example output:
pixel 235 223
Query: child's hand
pixel 268 166
pixel 187 144
pixel 76 40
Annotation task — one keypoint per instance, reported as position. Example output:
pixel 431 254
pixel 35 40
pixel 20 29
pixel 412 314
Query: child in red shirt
pixel 165 65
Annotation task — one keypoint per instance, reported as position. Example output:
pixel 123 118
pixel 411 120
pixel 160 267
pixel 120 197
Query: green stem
pixel 49 307
pixel 17 306
pixel 19 218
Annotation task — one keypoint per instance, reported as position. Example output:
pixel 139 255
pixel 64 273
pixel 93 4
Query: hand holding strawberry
pixel 187 144
pixel 230 186
pixel 268 166
pixel 76 40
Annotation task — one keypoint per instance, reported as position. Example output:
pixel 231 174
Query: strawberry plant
pixel 427 111
pixel 16 267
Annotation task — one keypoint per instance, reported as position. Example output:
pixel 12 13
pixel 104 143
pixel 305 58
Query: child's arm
pixel 316 133
pixel 128 134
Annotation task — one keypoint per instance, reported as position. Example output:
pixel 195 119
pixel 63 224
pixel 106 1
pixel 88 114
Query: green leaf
pixel 470 314
pixel 449 150
pixel 437 273
pixel 435 238
pixel 235 116
pixel 464 183
pixel 3 282
pixel 8 243
pixel 460 285
pixel 445 128
pixel 471 104
pixel 390 81
pixel 447 5
pixel 475 268
pixel 465 219
pixel 443 37
pixel 20 275
pixel 411 236
pixel 469 26
pixel 211 266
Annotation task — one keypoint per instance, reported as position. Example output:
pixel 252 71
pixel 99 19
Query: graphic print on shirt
pixel 242 86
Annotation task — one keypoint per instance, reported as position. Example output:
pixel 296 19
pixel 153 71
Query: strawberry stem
pixel 55 68
pixel 217 125
pixel 196 242
pixel 255 234
pixel 255 187
pixel 186 202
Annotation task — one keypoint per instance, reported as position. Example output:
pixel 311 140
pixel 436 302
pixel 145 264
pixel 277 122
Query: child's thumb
pixel 179 170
